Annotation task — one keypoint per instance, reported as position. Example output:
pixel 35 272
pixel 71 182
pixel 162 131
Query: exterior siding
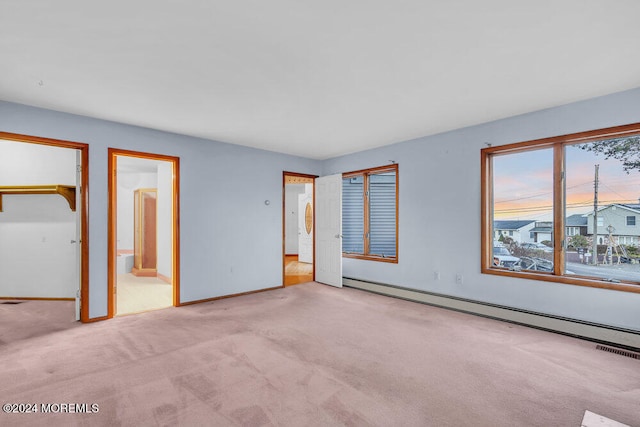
pixel 617 217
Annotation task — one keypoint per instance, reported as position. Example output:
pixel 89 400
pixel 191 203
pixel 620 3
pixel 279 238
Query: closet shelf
pixel 66 191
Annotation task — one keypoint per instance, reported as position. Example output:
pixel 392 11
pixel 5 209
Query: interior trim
pixel 366 173
pixel 113 154
pixel 200 301
pixel 557 143
pixel 84 208
pixel 291 178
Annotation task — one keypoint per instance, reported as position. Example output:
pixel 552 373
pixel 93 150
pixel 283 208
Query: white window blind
pixel 353 214
pixel 382 214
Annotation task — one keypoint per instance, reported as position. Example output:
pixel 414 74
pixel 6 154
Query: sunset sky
pixel 523 184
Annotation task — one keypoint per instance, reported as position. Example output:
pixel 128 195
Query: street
pixel 626 272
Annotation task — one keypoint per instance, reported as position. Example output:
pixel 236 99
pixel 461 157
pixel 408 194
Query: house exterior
pixel 576 225
pixel 519 231
pixel 541 231
pixel 624 220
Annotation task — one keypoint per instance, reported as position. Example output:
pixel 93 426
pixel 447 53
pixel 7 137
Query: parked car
pixel 503 258
pixel 534 263
pixel 536 246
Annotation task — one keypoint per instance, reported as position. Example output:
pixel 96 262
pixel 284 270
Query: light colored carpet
pixel 34 318
pixel 312 355
pixel 138 294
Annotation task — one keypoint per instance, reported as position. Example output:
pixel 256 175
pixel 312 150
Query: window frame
pixel 365 173
pixel 557 143
pixel 634 220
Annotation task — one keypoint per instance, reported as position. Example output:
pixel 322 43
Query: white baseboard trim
pixel 577 328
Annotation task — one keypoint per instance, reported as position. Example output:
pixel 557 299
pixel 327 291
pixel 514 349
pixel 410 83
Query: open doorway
pixel 43 227
pixel 143 232
pixel 298 226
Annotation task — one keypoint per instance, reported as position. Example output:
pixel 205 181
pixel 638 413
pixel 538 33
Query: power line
pixel 541 194
pixel 629 183
pixel 570 205
pixel 611 189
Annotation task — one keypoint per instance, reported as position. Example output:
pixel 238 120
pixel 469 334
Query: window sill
pixel 370 258
pixel 569 280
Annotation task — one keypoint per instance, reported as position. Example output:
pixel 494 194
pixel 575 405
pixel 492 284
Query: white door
pixel 329 230
pixel 305 234
pixel 78 239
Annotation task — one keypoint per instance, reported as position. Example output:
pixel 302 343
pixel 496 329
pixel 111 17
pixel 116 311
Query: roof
pixel 542 230
pixel 632 207
pixel 511 225
pixel 635 207
pixel 577 220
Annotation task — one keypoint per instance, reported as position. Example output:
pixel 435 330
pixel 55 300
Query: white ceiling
pixel 314 78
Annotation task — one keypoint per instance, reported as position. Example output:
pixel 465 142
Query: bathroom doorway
pixel 143 232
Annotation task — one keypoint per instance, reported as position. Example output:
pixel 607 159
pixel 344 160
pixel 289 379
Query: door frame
pixel 112 223
pixel 84 208
pixel 285 174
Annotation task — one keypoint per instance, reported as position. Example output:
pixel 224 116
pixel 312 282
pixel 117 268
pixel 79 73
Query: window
pixel 369 214
pixel 583 176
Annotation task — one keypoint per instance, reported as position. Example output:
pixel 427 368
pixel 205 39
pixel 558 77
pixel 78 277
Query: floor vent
pixel 12 302
pixel 619 351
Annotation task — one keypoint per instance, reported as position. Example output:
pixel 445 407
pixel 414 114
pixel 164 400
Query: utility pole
pixel 595 217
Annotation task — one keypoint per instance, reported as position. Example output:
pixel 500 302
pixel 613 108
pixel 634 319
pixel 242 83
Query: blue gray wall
pixel 231 242
pixel 439 213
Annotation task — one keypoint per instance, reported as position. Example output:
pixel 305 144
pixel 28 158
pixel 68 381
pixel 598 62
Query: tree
pixel 578 241
pixel 626 149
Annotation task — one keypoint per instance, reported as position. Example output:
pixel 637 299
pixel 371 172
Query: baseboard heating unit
pixel 624 338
